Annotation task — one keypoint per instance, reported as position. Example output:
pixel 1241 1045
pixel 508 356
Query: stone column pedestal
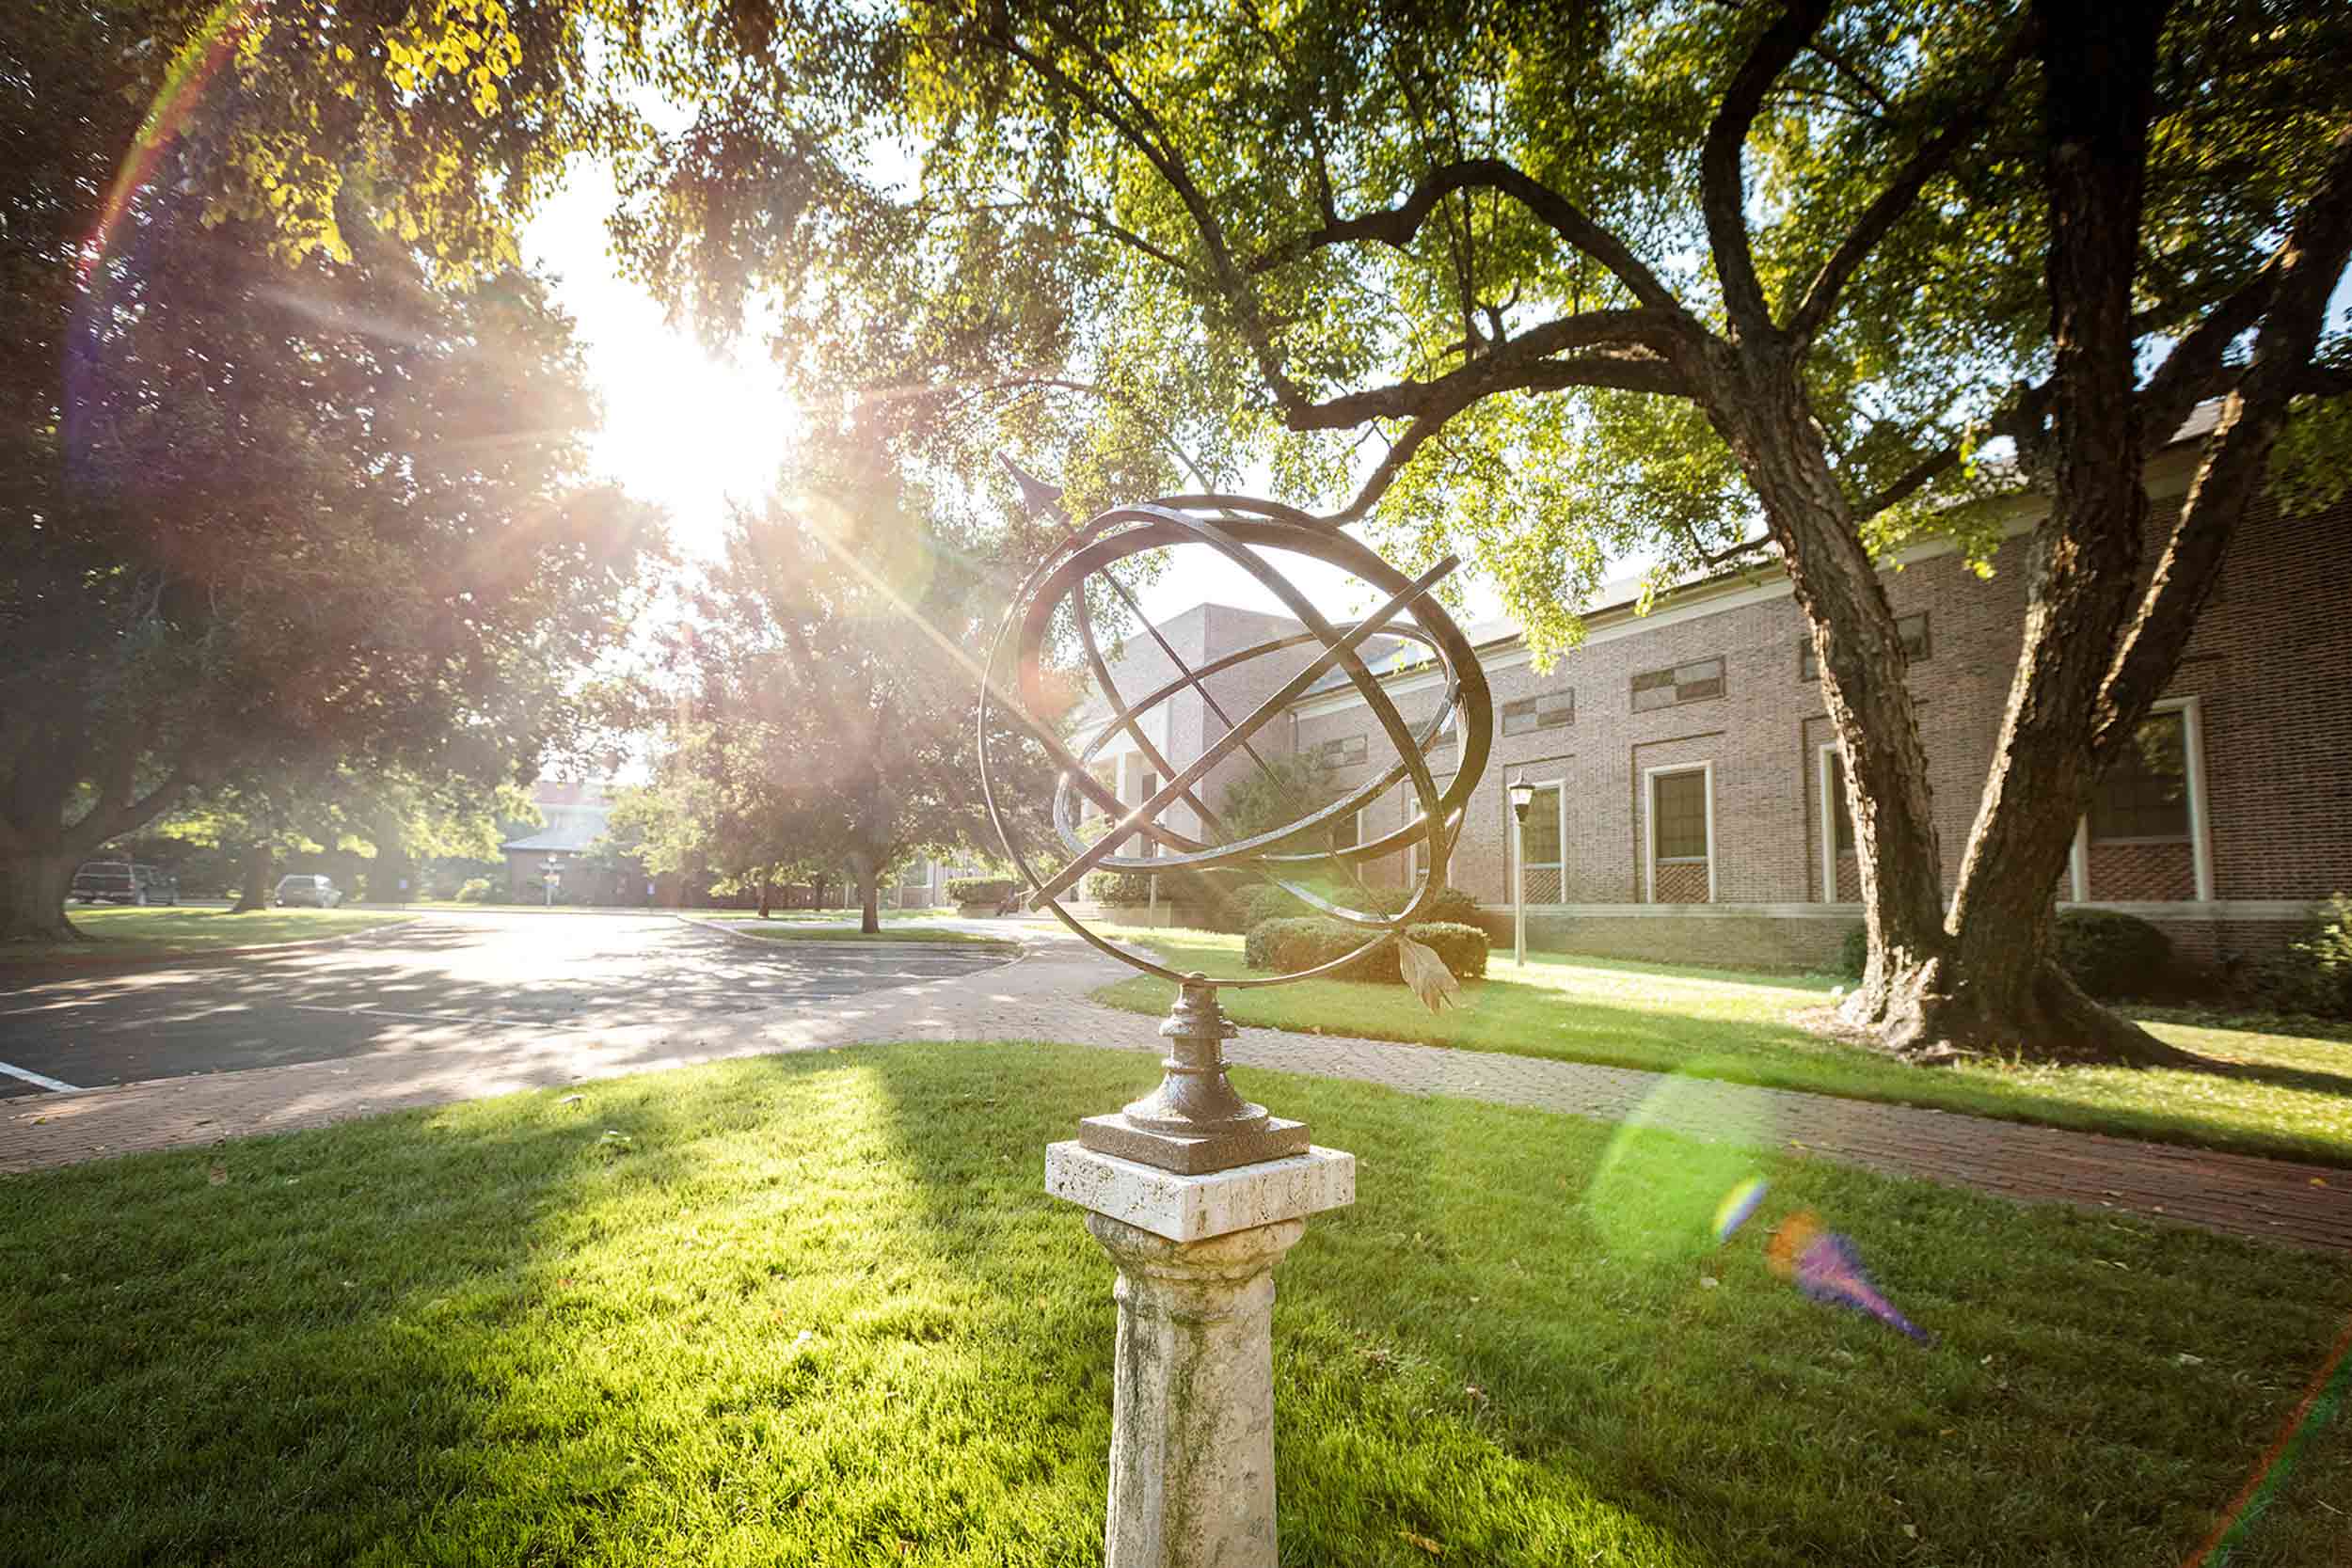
pixel 1192 1433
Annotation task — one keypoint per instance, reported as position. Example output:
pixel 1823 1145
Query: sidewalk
pixel 1044 997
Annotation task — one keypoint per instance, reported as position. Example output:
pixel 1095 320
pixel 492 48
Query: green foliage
pixel 2315 975
pixel 1286 945
pixel 981 890
pixel 2112 954
pixel 1286 789
pixel 475 890
pixel 1854 954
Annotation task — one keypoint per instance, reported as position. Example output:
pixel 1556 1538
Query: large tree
pixel 1598 275
pixel 266 513
pixel 1585 274
pixel 822 693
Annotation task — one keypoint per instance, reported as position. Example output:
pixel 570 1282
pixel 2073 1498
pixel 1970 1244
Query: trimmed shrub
pixel 981 890
pixel 1118 887
pixel 1286 944
pixel 1853 954
pixel 2315 975
pixel 476 891
pixel 1259 905
pixel 1462 947
pixel 1451 906
pixel 2112 954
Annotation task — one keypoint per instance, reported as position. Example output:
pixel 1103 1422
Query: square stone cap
pixel 1194 1208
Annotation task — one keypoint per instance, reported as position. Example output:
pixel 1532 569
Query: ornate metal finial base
pixel 1194 1122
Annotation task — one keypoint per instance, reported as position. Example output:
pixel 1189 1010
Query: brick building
pixel 1688 803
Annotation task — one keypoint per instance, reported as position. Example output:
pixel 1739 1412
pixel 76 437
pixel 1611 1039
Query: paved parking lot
pixel 421 984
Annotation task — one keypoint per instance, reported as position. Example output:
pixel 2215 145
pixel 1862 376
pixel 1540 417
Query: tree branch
pixel 2307 270
pixel 1723 192
pixel 1440 400
pixel 1629 349
pixel 2189 373
pixel 1397 226
pixel 1903 193
pixel 2018 421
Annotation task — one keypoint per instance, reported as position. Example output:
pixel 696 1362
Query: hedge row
pixel 1285 946
pixel 981 890
pixel 1450 905
pixel 2108 953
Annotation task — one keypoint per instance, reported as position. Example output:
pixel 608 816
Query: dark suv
pixel 124 883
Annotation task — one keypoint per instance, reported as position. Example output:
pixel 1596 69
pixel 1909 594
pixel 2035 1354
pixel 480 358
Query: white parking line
pixel 29 1076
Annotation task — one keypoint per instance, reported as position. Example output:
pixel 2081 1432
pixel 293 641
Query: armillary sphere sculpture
pixel 1195 1122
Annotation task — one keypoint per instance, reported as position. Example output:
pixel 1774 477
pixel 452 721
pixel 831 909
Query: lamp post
pixel 1522 795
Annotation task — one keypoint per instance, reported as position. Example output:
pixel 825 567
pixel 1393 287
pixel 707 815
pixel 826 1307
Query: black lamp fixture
pixel 1522 795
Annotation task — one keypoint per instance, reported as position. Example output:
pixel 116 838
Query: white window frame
pixel 2192 711
pixel 1827 761
pixel 1649 820
pixel 1417 853
pixel 1559 786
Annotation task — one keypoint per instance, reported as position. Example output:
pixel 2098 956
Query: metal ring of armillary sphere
pixel 1238 529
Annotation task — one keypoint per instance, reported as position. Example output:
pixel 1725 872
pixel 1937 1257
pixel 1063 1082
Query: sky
pixel 691 430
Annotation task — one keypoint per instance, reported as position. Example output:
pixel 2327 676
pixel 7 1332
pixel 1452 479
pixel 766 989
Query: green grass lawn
pixel 134 933
pixel 770 931
pixel 815 1309
pixel 2287 1093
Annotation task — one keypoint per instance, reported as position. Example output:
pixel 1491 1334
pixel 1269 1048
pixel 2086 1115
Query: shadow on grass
pixel 818 1309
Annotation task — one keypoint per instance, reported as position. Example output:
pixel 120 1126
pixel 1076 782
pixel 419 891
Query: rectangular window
pixel 1841 820
pixel 1348 832
pixel 2145 794
pixel 1679 817
pixel 1343 752
pixel 1546 712
pixel 1149 785
pixel 1911 629
pixel 1684 683
pixel 1540 842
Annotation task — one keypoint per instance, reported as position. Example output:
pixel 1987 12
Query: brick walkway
pixel 1044 997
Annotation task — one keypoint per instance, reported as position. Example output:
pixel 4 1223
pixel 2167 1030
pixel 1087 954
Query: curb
pixel 99 962
pixel 1021 948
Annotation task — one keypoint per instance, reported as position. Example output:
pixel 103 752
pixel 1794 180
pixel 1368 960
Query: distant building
pixel 573 816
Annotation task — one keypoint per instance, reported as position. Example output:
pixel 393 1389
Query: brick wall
pixel 2127 871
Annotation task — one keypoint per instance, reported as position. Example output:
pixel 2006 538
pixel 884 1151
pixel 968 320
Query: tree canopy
pixel 269 515
pixel 820 697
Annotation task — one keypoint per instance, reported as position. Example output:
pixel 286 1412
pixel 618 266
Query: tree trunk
pixel 870 900
pixel 1769 428
pixel 33 889
pixel 765 897
pixel 256 864
pixel 1999 993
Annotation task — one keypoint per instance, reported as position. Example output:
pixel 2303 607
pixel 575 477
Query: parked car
pixel 124 882
pixel 318 893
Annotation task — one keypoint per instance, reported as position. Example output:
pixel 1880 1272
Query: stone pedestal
pixel 1192 1433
